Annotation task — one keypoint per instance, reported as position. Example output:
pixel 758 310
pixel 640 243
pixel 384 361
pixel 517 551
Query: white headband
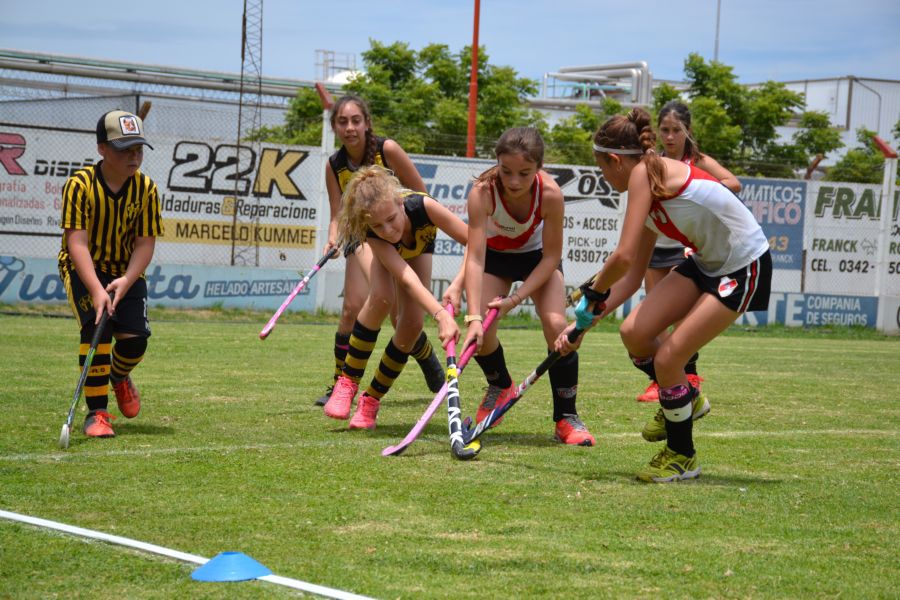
pixel 617 150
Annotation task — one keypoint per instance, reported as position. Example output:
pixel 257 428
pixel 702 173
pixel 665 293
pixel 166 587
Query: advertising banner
pixel 842 237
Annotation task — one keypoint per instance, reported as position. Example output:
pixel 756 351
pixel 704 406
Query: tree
pixel 864 164
pixel 816 137
pixel 738 125
pixel 570 140
pixel 420 99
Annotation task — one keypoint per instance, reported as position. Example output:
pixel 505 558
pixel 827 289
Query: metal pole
pixel 473 87
pixel 718 10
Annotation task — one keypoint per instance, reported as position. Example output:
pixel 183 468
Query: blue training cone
pixel 230 566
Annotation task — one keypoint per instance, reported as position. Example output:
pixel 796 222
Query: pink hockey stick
pixel 271 324
pixel 439 398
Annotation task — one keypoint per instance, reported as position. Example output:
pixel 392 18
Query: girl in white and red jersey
pixel 674 124
pixel 516 234
pixel 728 272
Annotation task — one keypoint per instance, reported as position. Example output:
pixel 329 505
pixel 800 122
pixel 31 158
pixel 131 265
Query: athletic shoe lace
pixel 575 422
pixel 490 398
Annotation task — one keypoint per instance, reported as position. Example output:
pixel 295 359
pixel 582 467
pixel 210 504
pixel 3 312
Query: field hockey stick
pixel 575 295
pixel 271 324
pixel 88 359
pixel 472 434
pixel 457 447
pixel 439 397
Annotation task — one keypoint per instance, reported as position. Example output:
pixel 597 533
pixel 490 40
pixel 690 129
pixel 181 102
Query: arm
pixel 453 226
pixel 80 253
pixel 630 240
pixel 140 259
pixel 403 167
pixel 334 203
pixel 622 290
pixel 407 278
pixel 477 207
pixel 711 166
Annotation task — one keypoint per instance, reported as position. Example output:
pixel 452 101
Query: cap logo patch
pixel 129 126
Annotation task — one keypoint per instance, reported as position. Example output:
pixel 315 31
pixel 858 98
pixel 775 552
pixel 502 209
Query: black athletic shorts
pixel 515 266
pixel 666 258
pixel 746 289
pixel 131 312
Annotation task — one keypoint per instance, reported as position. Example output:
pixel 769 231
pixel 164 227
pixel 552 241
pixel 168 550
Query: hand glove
pixel 584 316
pixel 592 303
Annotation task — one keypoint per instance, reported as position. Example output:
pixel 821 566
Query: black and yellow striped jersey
pixel 424 231
pixel 112 221
pixel 343 169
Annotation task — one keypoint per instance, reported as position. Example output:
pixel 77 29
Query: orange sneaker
pixel 127 397
pixel 338 405
pixel 695 380
pixel 97 424
pixel 494 397
pixel 366 412
pixel 570 430
pixel 651 394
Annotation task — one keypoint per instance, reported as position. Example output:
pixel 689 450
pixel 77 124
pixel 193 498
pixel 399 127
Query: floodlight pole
pixel 473 87
pixel 718 10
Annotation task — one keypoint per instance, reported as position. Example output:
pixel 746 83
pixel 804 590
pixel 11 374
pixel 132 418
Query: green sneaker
pixel 655 429
pixel 668 466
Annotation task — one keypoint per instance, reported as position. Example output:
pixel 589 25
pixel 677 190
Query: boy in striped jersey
pixel 111 218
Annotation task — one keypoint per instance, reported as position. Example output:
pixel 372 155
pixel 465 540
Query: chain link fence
pixel 264 206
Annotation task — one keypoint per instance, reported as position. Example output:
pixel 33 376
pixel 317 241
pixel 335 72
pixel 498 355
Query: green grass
pixel 798 496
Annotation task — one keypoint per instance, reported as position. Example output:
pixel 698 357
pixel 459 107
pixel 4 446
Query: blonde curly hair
pixel 369 187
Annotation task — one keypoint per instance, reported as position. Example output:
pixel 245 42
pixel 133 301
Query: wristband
pixel 516 298
pixel 470 318
pixel 437 312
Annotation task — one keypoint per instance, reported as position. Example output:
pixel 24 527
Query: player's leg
pixel 549 303
pixel 97 423
pixel 357 265
pixel 490 357
pixel 131 328
pixel 362 341
pixel 396 354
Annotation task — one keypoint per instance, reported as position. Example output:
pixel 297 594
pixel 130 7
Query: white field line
pixel 182 556
pixel 62 455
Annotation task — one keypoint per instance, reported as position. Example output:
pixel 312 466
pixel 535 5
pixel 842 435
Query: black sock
pixel 564 385
pixel 677 408
pixel 691 367
pixel 645 364
pixel 494 367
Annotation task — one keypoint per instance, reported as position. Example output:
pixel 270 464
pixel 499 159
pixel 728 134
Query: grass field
pixel 798 496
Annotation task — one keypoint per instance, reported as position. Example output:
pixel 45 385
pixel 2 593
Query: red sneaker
pixel 127 397
pixel 651 394
pixel 366 412
pixel 494 397
pixel 338 405
pixel 97 424
pixel 695 380
pixel 570 430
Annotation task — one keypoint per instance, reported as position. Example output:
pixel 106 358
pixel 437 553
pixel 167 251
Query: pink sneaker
pixel 366 412
pixel 338 405
pixel 494 397
pixel 127 397
pixel 651 394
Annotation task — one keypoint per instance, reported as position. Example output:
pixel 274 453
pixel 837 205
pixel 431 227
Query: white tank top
pixel 662 241
pixel 505 233
pixel 708 218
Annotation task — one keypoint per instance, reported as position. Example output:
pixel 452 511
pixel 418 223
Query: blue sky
pixel 761 39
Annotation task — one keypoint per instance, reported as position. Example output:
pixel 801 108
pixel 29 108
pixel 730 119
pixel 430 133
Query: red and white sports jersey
pixel 505 233
pixel 708 218
pixel 662 241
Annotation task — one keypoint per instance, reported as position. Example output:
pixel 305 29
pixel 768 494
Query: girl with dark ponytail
pixel 677 138
pixel 729 272
pixel 351 121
